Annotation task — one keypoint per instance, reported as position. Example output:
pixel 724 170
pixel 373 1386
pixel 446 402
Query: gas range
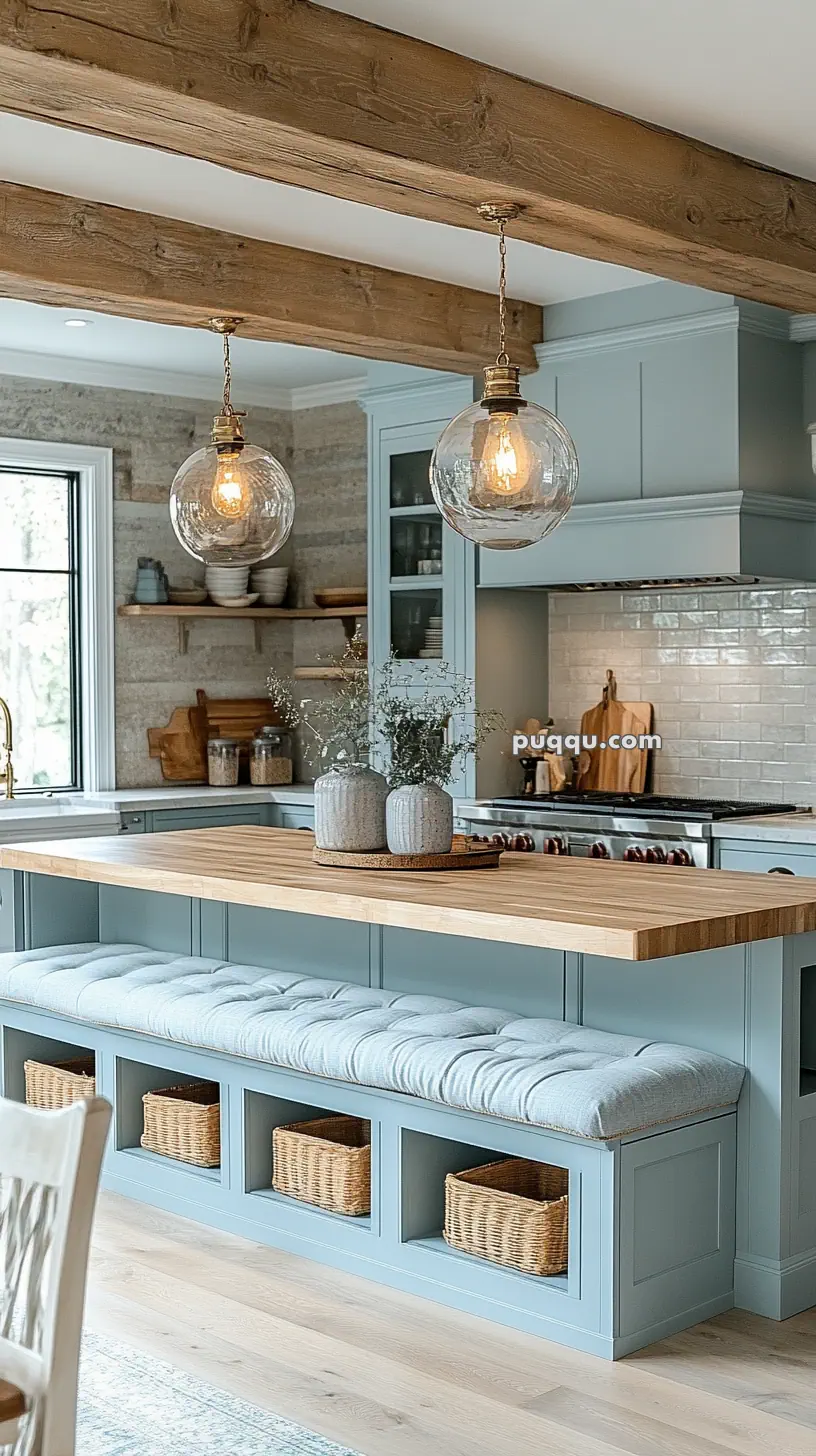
pixel 641 828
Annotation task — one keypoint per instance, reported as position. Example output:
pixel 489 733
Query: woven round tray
pixel 457 859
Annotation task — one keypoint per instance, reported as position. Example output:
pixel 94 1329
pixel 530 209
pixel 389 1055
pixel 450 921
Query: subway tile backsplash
pixel 731 674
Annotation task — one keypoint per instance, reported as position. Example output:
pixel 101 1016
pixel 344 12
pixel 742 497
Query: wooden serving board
pixel 182 744
pixel 457 859
pixel 614 770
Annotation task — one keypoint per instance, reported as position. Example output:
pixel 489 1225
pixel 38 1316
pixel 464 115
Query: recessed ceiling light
pixel 76 323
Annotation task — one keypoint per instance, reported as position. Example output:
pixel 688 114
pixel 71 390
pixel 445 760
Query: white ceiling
pixel 736 73
pixel 130 354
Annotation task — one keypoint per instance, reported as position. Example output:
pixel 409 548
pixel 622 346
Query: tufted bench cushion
pixel 592 1084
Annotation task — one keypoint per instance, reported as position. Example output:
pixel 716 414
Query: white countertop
pixel 200 796
pixel 61 816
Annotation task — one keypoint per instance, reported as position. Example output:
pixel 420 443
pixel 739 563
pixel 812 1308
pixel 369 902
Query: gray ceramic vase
pixel 419 819
pixel 350 810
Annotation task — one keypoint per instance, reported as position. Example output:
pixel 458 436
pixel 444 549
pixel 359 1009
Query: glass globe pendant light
pixel 231 503
pixel 505 471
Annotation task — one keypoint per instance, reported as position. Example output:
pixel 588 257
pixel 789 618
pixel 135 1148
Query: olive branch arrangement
pixel 415 724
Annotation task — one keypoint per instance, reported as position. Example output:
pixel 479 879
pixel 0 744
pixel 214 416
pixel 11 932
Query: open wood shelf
pixel 186 616
pixel 325 674
pixel 304 614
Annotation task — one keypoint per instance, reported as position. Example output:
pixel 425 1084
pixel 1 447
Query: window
pixel 38 612
pixel 56 613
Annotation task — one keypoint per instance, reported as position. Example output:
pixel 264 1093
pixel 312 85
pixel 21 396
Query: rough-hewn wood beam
pixel 60 250
pixel 293 91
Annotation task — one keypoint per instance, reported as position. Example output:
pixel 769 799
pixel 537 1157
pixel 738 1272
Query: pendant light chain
pixel 503 356
pixel 228 410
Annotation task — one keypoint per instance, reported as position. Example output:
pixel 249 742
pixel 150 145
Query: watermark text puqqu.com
pixel 577 742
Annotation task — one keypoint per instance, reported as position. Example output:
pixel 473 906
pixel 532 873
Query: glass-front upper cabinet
pixel 419 568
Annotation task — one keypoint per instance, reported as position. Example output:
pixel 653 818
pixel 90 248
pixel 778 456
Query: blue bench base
pixel 651 1216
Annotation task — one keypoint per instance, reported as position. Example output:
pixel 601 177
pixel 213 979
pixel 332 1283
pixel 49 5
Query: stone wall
pixel 325 451
pixel 329 541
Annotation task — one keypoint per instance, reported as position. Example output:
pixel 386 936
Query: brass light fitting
pixel 502 391
pixel 227 430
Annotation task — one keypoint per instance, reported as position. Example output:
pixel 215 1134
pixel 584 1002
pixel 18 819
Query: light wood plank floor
pixel 392 1375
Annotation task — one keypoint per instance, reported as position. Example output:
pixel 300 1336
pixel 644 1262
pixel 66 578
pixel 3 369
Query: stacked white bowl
pixel 226 584
pixel 271 582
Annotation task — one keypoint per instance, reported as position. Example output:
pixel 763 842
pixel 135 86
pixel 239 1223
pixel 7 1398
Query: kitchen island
pixel 712 960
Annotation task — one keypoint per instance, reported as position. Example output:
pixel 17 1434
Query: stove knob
pixel 522 843
pixel 500 840
pixel 655 854
pixel 679 857
pixel 529 845
pixel 598 850
pixel 554 846
pixel 634 854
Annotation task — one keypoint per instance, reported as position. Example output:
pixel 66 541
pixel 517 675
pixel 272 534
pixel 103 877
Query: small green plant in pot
pixel 425 722
pixel 349 794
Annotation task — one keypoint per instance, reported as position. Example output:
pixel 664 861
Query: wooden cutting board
pixel 621 770
pixel 181 746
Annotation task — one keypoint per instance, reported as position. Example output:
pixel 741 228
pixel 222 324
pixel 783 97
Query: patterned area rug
pixel 133 1405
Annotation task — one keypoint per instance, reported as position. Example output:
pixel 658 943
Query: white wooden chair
pixel 49 1173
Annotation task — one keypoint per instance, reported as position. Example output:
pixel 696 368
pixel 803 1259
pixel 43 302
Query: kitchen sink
pixel 42 804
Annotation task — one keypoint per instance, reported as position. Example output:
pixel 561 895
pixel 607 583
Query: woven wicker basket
pixel 514 1213
pixel 326 1161
pixel 61 1084
pixel 184 1123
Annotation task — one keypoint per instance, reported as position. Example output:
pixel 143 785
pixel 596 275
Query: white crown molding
pixel 447 392
pixel 647 333
pixel 63 370
pixel 335 391
pixel 701 505
pixel 803 327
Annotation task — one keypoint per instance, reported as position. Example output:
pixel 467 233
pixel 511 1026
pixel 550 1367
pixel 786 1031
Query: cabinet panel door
pixel 598 400
pixel 6 910
pixel 516 978
pixel 174 819
pixel 296 818
pixel 307 945
pixel 771 859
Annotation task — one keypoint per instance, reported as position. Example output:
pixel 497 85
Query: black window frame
pixel 72 571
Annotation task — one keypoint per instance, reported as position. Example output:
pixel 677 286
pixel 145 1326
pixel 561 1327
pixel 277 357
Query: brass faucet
pixel 7 772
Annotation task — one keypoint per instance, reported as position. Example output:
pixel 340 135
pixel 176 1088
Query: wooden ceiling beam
pixel 65 251
pixel 293 91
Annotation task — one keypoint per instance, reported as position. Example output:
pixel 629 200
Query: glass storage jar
pixel 270 757
pixel 222 762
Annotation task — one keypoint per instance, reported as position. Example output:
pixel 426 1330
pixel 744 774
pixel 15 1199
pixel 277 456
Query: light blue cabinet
pixel 165 821
pixel 497 639
pixel 764 857
pixel 673 398
pixel 6 910
pixel 420 572
pixel 170 820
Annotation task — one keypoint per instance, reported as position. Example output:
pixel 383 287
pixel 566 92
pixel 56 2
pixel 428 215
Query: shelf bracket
pixel 184 635
pixel 349 628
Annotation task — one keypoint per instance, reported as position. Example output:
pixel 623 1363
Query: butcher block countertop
pixel 632 912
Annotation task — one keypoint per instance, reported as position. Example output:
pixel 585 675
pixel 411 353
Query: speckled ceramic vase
pixel 350 810
pixel 419 819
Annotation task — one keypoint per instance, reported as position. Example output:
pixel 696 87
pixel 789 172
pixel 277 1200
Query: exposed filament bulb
pixel 230 496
